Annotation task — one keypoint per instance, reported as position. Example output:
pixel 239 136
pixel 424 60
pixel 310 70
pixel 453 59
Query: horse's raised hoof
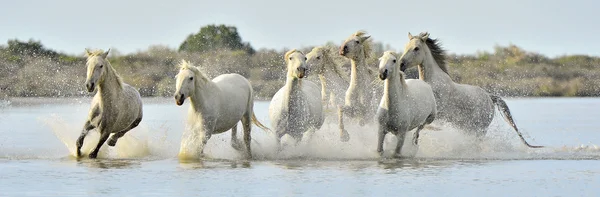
pixel 236 145
pixel 345 137
pixel 93 155
pixel 112 142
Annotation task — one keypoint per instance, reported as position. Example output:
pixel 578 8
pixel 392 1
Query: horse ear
pixel 105 54
pixel 424 36
pixel 363 38
pixel 87 52
pixel 410 36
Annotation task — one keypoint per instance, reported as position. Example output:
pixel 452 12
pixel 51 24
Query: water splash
pixel 137 143
pixel 501 143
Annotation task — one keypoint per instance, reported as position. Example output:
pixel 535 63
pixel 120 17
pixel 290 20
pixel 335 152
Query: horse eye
pixel 191 78
pixel 305 58
pixel 394 61
pixel 357 42
pixel 101 65
pixel 318 57
pixel 290 58
pixel 416 48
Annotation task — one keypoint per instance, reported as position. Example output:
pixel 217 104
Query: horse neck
pixel 204 92
pixel 110 86
pixel 357 65
pixel 430 71
pixel 394 89
pixel 293 86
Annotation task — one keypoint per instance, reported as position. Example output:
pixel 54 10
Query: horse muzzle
pixel 90 87
pixel 302 72
pixel 383 74
pixel 179 99
pixel 343 50
pixel 402 66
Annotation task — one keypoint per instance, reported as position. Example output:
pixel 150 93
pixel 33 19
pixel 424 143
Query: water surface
pixel 37 135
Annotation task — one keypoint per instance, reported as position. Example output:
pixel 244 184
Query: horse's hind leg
pixel 417 133
pixel 88 126
pixel 116 136
pixel 235 143
pixel 103 137
pixel 246 123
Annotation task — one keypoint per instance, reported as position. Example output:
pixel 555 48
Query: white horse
pixel 359 94
pixel 334 80
pixel 468 107
pixel 296 108
pixel 116 107
pixel 405 105
pixel 217 105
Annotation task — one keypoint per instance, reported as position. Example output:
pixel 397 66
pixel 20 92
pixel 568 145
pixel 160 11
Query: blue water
pixel 35 161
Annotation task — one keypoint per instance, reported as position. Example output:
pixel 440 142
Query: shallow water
pixel 37 138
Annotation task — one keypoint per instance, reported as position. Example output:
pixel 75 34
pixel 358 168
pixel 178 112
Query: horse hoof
pixel 237 146
pixel 345 137
pixel 112 142
pixel 93 155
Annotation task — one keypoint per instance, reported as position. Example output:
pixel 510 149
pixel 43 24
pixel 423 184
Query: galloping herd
pixel 299 107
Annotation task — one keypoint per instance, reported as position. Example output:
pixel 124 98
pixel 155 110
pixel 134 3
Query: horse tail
pixel 503 108
pixel 260 125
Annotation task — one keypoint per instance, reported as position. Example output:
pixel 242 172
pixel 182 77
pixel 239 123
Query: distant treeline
pixel 28 69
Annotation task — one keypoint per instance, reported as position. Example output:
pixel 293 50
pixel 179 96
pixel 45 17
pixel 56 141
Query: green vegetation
pixel 28 69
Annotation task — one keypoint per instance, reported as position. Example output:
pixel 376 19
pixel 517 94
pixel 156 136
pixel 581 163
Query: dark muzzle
pixel 90 87
pixel 383 74
pixel 179 99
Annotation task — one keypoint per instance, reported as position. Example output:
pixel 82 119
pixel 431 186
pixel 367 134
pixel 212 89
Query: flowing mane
pixel 438 53
pixel 98 53
pixel 185 65
pixel 328 61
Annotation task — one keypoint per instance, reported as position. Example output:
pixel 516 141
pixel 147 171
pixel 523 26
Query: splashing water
pixel 135 144
pixel 500 143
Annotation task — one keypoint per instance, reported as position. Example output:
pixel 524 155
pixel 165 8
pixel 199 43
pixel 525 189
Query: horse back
pixel 234 99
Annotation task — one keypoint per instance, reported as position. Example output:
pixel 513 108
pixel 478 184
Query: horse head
pixel 96 67
pixel 356 46
pixel 296 63
pixel 388 64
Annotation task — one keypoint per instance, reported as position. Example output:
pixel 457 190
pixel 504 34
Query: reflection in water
pixel 213 163
pixel 110 163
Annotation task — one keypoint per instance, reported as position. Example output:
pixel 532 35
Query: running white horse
pixel 359 94
pixel 405 105
pixel 116 107
pixel 469 108
pixel 334 80
pixel 217 105
pixel 296 108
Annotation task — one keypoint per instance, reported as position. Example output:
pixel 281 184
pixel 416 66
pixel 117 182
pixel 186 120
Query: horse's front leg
pixel 400 138
pixel 344 136
pixel 86 129
pixel 104 133
pixel 380 137
pixel 365 108
pixel 208 129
